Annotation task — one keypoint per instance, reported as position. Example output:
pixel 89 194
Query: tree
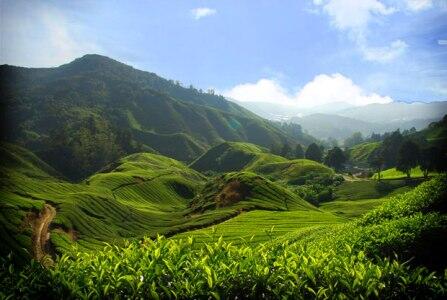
pixel 299 152
pixel 376 161
pixel 335 158
pixel 408 157
pixel 275 149
pixel 313 152
pixel 432 159
pixel 355 139
pixel 390 148
pixel 286 149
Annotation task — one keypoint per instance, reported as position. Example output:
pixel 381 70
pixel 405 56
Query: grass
pixel 359 153
pixel 261 226
pixel 395 174
pixel 351 209
pixel 370 189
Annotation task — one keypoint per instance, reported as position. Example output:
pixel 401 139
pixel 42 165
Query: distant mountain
pixel 325 126
pixel 81 116
pixel 397 112
pixel 281 112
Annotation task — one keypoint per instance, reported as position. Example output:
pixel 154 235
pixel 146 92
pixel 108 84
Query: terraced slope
pixel 246 191
pixel 139 195
pixel 292 170
pixel 143 194
pixel 234 156
pixel 231 156
pixel 359 154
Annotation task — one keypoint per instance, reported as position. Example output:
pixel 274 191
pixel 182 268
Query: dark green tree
pixel 408 157
pixel 299 152
pixel 390 148
pixel 335 158
pixel 355 139
pixel 314 152
pixel 286 149
pixel 432 159
pixel 376 161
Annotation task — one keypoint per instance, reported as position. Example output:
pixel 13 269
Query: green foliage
pixel 355 139
pixel 314 152
pixel 408 157
pixel 335 158
pixel 299 152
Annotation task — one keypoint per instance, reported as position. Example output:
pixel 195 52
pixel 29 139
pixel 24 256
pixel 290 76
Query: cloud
pixel 418 5
pixel 385 54
pixel 354 14
pixel 64 46
pixel 265 90
pixel 354 17
pixel 442 42
pixel 42 36
pixel 202 12
pixel 322 90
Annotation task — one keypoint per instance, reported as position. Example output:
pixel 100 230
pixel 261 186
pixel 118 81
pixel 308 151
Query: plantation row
pixel 364 257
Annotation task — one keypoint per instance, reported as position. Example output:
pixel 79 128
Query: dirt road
pixel 41 235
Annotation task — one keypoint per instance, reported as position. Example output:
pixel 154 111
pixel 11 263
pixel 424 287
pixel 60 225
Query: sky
pixel 304 53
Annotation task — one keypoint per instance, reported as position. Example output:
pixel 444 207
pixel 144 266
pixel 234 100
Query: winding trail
pixel 41 235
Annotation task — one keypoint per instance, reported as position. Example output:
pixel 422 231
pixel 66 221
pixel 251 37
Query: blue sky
pixel 294 52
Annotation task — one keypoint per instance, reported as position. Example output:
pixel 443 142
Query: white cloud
pixel 42 36
pixel 418 5
pixel 353 14
pixel 265 90
pixel 64 47
pixel 201 12
pixel 322 90
pixel 354 17
pixel 385 54
pixel 442 42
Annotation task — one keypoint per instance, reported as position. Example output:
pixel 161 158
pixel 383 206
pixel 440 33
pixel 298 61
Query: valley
pixel 115 181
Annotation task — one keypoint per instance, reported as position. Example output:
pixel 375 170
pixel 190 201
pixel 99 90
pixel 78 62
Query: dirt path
pixel 41 235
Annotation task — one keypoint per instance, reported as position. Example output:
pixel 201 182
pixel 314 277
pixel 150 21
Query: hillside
pixel 359 154
pixel 141 194
pixel 229 157
pixel 83 115
pixel 396 250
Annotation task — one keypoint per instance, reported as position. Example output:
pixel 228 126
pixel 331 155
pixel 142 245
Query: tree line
pixel 335 157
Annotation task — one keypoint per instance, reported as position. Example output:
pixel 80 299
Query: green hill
pixel 359 154
pixel 229 156
pixel 141 194
pixel 245 191
pixel 292 170
pixel 83 115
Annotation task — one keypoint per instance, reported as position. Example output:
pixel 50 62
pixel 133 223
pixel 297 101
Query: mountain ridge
pixel 87 113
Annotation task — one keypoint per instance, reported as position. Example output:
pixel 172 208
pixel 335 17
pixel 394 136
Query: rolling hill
pixel 138 195
pixel 228 157
pixel 83 115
